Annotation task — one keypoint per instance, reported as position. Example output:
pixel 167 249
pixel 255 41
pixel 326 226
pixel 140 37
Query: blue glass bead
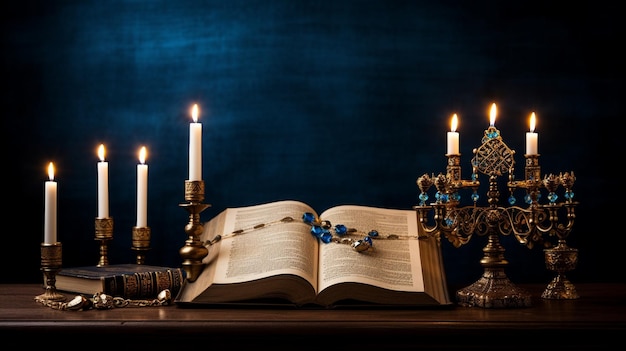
pixel 368 240
pixel 569 195
pixel 512 200
pixel 444 197
pixel 475 197
pixel 326 237
pixel 527 199
pixel 456 196
pixel 449 222
pixel 308 217
pixel 474 176
pixel 438 196
pixel 492 134
pixel 423 197
pixel 341 229
pixel 373 233
pixel 552 197
pixel 317 231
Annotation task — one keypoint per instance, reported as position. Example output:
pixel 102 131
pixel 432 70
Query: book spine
pixel 144 285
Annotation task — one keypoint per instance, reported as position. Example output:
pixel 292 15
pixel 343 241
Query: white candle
pixel 142 189
pixel 532 137
pixel 453 137
pixel 50 213
pixel 195 146
pixel 103 185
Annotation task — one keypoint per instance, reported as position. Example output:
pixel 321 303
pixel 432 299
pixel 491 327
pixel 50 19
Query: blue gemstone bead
pixel 341 229
pixel 552 197
pixel 492 134
pixel 317 231
pixel 512 200
pixel 527 199
pixel 368 240
pixel 308 217
pixel 373 233
pixel 326 237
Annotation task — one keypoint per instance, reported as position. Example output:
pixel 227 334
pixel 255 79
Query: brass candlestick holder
pixel 445 216
pixel 194 251
pixel 104 234
pixel 51 263
pixel 141 243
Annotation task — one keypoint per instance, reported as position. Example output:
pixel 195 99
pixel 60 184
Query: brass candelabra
pixel 529 224
pixel 194 251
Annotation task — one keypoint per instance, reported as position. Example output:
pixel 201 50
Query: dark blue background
pixel 328 102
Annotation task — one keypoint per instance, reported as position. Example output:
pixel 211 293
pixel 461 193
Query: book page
pixel 279 248
pixel 393 264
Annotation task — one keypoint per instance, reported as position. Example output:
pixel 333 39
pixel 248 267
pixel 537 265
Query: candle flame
pixel 532 122
pixel 492 115
pixel 142 155
pixel 194 113
pixel 101 152
pixel 454 123
pixel 51 171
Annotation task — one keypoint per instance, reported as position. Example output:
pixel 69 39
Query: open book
pixel 283 261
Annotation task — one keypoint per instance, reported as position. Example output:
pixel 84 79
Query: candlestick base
pixel 51 262
pixel 493 290
pixel 141 243
pixel 104 233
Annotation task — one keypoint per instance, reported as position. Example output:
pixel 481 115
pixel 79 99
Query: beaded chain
pixel 322 230
pixel 102 301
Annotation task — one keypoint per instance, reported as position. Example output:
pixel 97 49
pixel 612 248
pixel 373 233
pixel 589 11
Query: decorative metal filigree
pixel 532 224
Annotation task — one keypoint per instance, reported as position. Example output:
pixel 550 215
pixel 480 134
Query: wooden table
pixel 595 320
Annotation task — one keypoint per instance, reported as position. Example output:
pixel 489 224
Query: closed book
pixel 129 281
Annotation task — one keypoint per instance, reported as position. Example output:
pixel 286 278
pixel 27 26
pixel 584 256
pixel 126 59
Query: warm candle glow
pixel 194 113
pixel 101 152
pixel 454 123
pixel 142 155
pixel 532 122
pixel 492 115
pixel 51 171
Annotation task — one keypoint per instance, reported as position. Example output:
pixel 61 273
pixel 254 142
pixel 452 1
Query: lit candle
pixel 453 137
pixel 50 213
pixel 531 137
pixel 142 189
pixel 492 115
pixel 195 146
pixel 103 185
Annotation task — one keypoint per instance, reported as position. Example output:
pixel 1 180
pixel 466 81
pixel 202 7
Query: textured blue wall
pixel 329 103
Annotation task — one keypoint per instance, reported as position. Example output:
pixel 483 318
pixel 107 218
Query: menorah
pixel 530 224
